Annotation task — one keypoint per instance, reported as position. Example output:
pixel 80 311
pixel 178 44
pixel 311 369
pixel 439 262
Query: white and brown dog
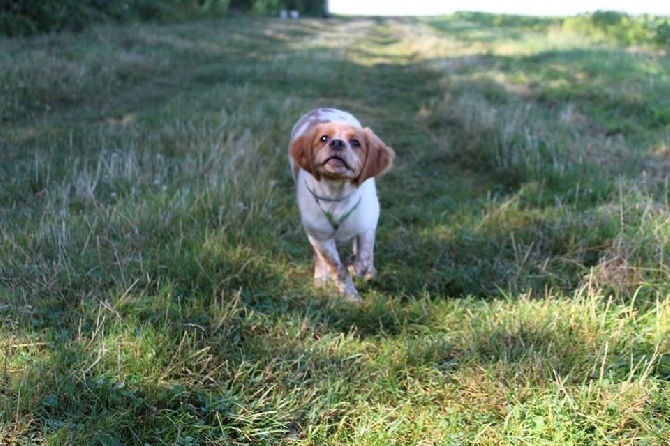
pixel 334 162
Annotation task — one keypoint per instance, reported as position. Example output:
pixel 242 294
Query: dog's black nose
pixel 337 144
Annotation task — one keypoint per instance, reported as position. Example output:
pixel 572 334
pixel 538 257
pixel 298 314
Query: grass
pixel 155 282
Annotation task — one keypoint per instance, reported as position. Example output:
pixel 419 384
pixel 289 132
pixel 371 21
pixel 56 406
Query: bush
pixel 662 36
pixel 20 17
pixel 600 26
pixel 311 8
pixel 34 16
pixel 621 28
pixel 507 20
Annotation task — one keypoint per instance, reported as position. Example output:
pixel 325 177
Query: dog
pixel 334 161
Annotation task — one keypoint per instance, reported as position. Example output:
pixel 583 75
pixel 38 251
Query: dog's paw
pixel 320 282
pixel 353 298
pixel 361 271
pixel 345 287
pixel 341 284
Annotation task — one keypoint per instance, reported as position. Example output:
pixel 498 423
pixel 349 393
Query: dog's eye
pixel 355 143
pixel 324 138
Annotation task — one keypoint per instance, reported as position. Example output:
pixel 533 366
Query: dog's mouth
pixel 336 162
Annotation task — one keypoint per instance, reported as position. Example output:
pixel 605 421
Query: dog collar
pixel 322 198
pixel 334 222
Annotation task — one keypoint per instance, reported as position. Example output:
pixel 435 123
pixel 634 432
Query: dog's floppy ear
pixel 301 151
pixel 378 159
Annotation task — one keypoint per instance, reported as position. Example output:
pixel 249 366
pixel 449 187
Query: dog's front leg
pixel 321 273
pixel 327 261
pixel 362 263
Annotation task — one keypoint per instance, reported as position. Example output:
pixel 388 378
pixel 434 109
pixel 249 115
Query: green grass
pixel 155 282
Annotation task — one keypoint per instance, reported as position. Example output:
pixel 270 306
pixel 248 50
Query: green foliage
pixel 508 20
pixel 19 17
pixel 310 8
pixel 621 28
pixel 22 17
pixel 600 26
pixel 33 16
pixel 313 8
pixel 266 7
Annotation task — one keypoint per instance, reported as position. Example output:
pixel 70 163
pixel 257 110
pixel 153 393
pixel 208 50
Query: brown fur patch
pixel 301 150
pixel 379 157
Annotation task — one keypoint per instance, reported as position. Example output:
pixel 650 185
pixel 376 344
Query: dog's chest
pixel 339 220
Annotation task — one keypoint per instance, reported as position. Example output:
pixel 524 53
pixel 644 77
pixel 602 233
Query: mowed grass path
pixel 155 282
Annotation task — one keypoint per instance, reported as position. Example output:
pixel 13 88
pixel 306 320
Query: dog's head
pixel 341 151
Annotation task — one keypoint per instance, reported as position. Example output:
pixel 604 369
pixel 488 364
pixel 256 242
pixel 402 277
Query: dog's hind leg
pixel 362 263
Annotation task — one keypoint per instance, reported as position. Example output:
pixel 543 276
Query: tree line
pixel 23 17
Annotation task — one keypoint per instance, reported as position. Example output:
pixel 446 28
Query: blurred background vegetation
pixel 599 26
pixel 24 17
pixel 622 28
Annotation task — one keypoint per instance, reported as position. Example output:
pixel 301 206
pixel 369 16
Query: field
pixel 155 283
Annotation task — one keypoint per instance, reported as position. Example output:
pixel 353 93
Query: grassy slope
pixel 154 280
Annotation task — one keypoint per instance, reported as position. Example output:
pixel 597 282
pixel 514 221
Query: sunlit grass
pixel 155 283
